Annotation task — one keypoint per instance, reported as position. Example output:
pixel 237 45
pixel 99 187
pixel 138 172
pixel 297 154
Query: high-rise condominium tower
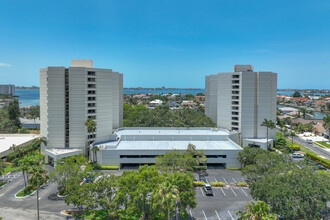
pixel 241 100
pixel 69 96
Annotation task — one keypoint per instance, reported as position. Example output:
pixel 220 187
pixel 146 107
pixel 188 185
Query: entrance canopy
pixel 58 154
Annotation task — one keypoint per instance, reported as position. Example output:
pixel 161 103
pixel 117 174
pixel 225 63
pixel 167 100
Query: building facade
pixel 241 100
pixel 69 96
pixel 7 90
pixel 129 147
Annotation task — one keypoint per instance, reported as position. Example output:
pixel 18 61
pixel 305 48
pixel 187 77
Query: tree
pixel 269 124
pixel 292 134
pixel 44 141
pixel 2 166
pixel 296 94
pixel 326 123
pixel 171 161
pixel 95 149
pixel 194 157
pixel 167 194
pixel 256 211
pixel 248 155
pixel 90 125
pixel 38 177
pixel 25 164
pixel 14 113
pixel 34 113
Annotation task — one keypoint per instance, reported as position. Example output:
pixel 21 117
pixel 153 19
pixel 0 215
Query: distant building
pixel 69 96
pixel 155 103
pixel 241 100
pixel 7 90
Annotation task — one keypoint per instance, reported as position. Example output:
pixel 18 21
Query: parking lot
pixel 225 202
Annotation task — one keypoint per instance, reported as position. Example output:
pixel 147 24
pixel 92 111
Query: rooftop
pixel 7 140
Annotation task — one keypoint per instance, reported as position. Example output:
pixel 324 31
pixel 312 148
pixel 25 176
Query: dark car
pixel 208 189
pixel 320 167
pixel 202 178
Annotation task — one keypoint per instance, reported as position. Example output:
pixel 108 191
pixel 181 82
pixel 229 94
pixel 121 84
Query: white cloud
pixel 5 64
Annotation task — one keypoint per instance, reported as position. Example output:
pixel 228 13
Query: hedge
pixel 295 148
pixel 320 160
pixel 200 168
pixel 198 183
pixel 99 167
pixel 241 184
pixel 217 184
pixel 233 168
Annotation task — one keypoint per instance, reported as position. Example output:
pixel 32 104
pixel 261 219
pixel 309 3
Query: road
pixel 318 150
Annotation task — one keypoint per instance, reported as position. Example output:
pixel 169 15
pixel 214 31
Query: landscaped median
pixel 221 184
pixel 2 183
pixel 99 167
pixel 25 192
pixel 322 144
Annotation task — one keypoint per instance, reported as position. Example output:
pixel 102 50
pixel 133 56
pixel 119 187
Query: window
pixel 91 136
pixel 235 81
pixel 235 87
pixel 234 118
pixel 91 92
pixel 235 76
pixel 91 79
pixel 91 86
pixel 216 156
pixel 91 104
pixel 91 98
pixel 90 111
pixel 234 113
pixel 235 97
pixel 235 92
pixel 234 123
pixel 234 128
pixel 234 108
pixel 234 102
pixel 89 73
pixel 92 117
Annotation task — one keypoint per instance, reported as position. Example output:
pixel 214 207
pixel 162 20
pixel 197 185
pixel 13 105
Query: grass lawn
pixel 2 183
pixel 23 193
pixel 10 168
pixel 324 143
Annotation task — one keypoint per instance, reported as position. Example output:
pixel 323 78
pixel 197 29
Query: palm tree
pixel 326 124
pixel 269 124
pixel 292 135
pixel 38 177
pixel 43 140
pixel 90 124
pixel 166 195
pixel 256 211
pixel 95 149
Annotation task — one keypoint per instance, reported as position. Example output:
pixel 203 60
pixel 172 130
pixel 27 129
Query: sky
pixel 168 43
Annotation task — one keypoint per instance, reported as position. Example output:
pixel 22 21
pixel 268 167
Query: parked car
pixel 297 155
pixel 320 167
pixel 202 178
pixel 208 189
pixel 309 141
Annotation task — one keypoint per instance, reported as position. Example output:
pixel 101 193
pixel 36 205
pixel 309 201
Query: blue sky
pixel 168 43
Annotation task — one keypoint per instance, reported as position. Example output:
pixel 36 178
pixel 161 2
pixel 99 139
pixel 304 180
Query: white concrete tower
pixel 241 100
pixel 69 96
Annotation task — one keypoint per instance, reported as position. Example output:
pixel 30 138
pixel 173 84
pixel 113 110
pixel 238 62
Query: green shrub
pixel 295 148
pixel 200 168
pixel 217 184
pixel 107 167
pixel 198 183
pixel 320 160
pixel 15 162
pixel 241 184
pixel 233 168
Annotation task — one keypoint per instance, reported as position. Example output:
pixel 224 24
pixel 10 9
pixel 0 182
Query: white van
pixel 297 155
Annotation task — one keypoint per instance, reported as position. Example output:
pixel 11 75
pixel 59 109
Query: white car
pixel 309 141
pixel 297 155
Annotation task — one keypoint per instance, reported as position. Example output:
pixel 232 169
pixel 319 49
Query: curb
pixel 19 197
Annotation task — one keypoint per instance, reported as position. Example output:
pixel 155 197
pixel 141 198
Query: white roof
pixel 156 101
pixel 6 140
pixel 171 145
pixel 58 153
pixel 171 131
pixel 288 109
pixel 259 140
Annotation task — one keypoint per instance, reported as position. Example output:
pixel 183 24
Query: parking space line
pixel 215 180
pixel 190 214
pixel 233 191
pixel 234 180
pixel 2 194
pixel 230 215
pixel 223 191
pixel 225 180
pixel 201 191
pixel 244 192
pixel 206 180
pixel 243 179
pixel 204 214
pixel 217 214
